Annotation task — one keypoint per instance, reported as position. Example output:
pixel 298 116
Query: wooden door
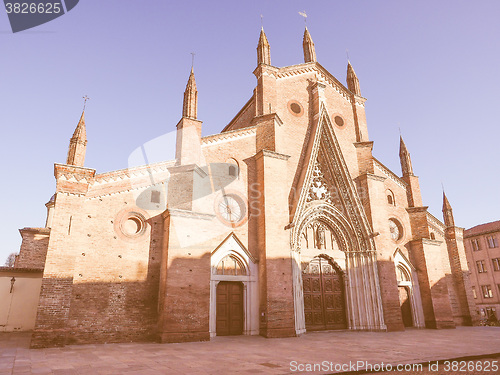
pixel 229 308
pixel 324 305
pixel 404 300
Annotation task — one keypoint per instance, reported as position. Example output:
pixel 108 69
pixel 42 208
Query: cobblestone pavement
pixel 257 355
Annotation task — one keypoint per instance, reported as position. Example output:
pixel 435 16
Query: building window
pixel 480 266
pixel 230 265
pixel 487 292
pixel 490 312
pixel 474 292
pixel 475 244
pixel 433 236
pixel 492 242
pixel 232 170
pixel 496 264
pixel 390 197
pixel 155 196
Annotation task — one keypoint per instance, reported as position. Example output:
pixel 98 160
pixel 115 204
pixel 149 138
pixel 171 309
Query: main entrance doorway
pixel 324 302
pixel 229 308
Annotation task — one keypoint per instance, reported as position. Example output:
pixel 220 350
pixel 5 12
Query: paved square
pixel 248 354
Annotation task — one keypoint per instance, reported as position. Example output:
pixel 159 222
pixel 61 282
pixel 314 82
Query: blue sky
pixel 428 67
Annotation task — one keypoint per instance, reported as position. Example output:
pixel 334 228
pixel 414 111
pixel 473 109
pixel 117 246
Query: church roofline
pixel 240 112
pixel 438 223
pixel 393 176
pixel 127 171
pixel 229 135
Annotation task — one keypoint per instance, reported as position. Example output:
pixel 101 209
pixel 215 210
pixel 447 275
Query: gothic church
pixel 281 224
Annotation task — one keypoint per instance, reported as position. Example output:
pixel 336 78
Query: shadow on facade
pixel 173 305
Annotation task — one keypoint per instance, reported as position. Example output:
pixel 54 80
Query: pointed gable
pixel 323 177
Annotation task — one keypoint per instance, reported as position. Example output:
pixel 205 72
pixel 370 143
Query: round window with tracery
pixel 396 230
pixel 231 209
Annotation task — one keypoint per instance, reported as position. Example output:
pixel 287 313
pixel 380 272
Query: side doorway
pixel 229 308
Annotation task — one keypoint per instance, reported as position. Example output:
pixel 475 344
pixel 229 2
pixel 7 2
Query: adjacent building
pixel 483 256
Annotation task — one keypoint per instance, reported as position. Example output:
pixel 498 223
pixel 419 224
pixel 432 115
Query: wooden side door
pixel 229 308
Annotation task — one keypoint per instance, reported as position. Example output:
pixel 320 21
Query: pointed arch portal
pixel 325 192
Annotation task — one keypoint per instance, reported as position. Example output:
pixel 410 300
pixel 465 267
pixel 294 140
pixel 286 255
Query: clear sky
pixel 428 67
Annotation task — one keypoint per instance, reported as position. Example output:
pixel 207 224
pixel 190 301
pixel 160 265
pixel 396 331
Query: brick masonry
pixel 128 253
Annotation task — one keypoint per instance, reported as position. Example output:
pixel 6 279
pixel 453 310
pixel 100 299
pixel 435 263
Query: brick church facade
pixel 281 224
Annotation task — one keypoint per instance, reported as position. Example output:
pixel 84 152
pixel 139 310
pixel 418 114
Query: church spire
pixel 78 144
pixel 404 158
pixel 308 45
pixel 449 221
pixel 263 49
pixel 352 80
pixel 190 105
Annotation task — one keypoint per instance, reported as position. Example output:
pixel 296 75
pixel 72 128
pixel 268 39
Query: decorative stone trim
pixel 382 168
pixel 185 213
pixel 228 136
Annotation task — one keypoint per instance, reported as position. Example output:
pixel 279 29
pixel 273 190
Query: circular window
pixel 295 108
pixel 396 229
pixel 133 224
pixel 231 209
pixel 339 121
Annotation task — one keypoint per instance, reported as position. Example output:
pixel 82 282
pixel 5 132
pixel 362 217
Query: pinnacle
pixel 307 36
pixel 402 146
pixel 80 131
pixel 263 38
pixel 446 203
pixel 191 83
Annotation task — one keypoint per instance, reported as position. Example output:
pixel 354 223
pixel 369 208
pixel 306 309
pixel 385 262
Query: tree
pixel 10 260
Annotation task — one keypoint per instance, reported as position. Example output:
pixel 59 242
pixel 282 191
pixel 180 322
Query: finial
pixel 192 60
pixel 442 186
pixel 304 14
pixel 262 22
pixel 85 101
pixel 347 53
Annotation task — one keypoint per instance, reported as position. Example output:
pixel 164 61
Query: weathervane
pixel 303 14
pixel 192 59
pixel 85 101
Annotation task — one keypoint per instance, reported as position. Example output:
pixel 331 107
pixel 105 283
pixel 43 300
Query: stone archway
pixel 362 289
pixel 233 267
pixel 409 293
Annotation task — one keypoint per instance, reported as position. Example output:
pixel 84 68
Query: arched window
pixel 390 197
pixel 233 169
pixel 402 274
pixel 230 265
